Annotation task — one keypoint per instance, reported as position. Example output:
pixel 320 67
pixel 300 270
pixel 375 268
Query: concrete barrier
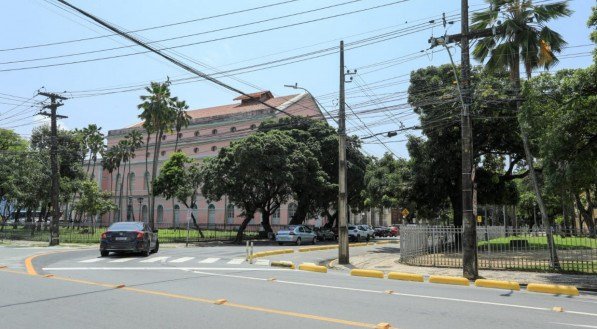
pixel 510 285
pixel 405 276
pixel 286 264
pixel 367 273
pixel 313 268
pixel 272 252
pixel 449 280
pixel 553 289
pixel 307 249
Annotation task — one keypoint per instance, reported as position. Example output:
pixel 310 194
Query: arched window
pixel 146 180
pixel 147 154
pixel 196 133
pixel 144 213
pixel 230 214
pixel 163 153
pixel 291 211
pixel 211 214
pixel 179 135
pixel 276 216
pixel 196 149
pixel 176 215
pixel 253 126
pixel 214 148
pixel 215 131
pixel 131 182
pixel 232 129
pixel 160 214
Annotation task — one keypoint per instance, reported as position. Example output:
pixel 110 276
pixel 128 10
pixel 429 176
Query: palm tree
pixel 522 37
pixel 134 141
pixel 124 152
pixel 182 118
pixel 109 164
pixel 158 117
pixel 95 143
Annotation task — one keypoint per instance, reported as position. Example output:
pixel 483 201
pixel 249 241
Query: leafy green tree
pixel 93 201
pixel 180 178
pixel 523 37
pixel 182 118
pixel 256 173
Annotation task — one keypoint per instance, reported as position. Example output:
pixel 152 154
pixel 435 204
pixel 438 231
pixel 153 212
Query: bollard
pixel 251 255
pixel 247 252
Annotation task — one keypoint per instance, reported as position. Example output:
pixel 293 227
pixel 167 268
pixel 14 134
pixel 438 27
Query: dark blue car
pixel 124 237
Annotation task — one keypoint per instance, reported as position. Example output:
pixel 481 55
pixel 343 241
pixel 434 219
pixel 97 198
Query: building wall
pixel 203 138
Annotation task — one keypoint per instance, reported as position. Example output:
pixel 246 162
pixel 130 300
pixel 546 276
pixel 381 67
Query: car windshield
pixel 352 227
pixel 126 226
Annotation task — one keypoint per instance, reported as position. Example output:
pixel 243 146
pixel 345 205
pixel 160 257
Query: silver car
pixel 296 234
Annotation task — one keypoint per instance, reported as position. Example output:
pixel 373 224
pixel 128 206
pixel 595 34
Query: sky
pixel 385 40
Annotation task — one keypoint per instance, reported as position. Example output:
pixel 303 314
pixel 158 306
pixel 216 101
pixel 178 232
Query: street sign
pixel 405 212
pixel 479 219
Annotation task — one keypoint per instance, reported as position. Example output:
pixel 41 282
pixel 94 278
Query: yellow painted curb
pixel 552 289
pixel 307 249
pixel 272 252
pixel 510 285
pixel 449 280
pixel 383 325
pixel 282 264
pixel 405 276
pixel 367 273
pixel 313 268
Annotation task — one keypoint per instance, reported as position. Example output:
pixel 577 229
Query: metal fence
pixel 167 233
pixel 499 247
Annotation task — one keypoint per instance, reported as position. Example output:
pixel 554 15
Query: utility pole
pixel 55 192
pixel 343 257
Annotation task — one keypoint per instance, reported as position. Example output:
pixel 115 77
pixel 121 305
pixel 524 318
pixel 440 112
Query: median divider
pixel 307 249
pixel 553 289
pixel 272 252
pixel 283 263
pixel 405 276
pixel 509 285
pixel 456 280
pixel 367 273
pixel 313 268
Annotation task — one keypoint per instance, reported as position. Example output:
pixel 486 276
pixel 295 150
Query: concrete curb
pixel 405 276
pixel 283 263
pixel 552 289
pixel 313 268
pixel 509 285
pixel 449 280
pixel 272 252
pixel 367 273
pixel 307 249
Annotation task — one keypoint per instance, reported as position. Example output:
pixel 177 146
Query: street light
pixel 296 86
pixel 140 199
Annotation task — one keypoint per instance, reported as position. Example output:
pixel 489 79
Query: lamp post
pixel 129 209
pixel 140 199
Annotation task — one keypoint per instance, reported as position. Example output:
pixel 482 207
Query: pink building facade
pixel 210 129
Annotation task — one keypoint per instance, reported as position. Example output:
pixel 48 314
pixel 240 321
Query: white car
pixel 370 231
pixel 356 234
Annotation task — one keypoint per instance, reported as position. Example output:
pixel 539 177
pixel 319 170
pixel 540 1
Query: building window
pixel 179 135
pixel 146 180
pixel 144 213
pixel 232 129
pixel 131 182
pixel 215 131
pixel 196 133
pixel 230 214
pixel 160 214
pixel 211 214
pixel 253 126
pixel 196 149
pixel 163 137
pixel 176 215
pixel 163 153
pixel 276 216
pixel 291 211
pixel 214 148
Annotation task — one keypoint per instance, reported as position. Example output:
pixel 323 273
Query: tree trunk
pixel 299 215
pixel 242 227
pixel 121 191
pixel 154 171
pixel 197 225
pixel 265 220
pixel 586 216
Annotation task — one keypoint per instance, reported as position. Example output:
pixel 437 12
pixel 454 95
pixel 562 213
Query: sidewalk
pixel 387 260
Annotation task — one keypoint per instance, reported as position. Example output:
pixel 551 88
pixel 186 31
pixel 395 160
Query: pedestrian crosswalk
pixel 175 260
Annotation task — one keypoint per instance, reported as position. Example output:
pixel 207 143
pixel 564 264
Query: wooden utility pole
pixel 55 192
pixel 343 257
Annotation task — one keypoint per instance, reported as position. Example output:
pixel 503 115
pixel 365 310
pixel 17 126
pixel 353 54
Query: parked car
pixel 296 234
pixel 369 232
pixel 325 234
pixel 135 237
pixel 394 231
pixel 382 231
pixel 356 234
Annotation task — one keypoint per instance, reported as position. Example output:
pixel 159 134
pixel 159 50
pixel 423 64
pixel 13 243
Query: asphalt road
pixel 178 288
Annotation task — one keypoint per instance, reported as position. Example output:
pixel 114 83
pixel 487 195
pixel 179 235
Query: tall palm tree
pixel 158 117
pixel 523 37
pixel 109 164
pixel 134 141
pixel 124 152
pixel 95 143
pixel 182 118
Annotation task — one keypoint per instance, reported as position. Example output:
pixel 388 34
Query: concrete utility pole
pixel 54 228
pixel 343 257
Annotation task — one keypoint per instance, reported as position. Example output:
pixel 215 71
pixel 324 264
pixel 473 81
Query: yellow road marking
pixel 29 260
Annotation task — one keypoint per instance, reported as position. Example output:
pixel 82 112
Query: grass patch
pixel 540 242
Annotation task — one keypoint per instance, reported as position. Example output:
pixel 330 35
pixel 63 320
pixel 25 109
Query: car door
pixel 150 234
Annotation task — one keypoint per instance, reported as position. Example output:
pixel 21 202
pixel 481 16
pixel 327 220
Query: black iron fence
pixel 167 233
pixel 499 247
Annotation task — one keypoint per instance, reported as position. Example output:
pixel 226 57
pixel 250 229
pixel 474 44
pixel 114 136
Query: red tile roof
pixel 268 94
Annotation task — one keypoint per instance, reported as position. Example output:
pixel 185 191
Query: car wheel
pixel 314 240
pixel 367 238
pixel 147 251
pixel 157 246
pixel 279 243
pixel 104 253
pixel 298 241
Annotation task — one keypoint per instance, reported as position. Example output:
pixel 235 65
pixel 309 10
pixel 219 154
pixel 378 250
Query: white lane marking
pixel 122 260
pixel 400 294
pixel 181 260
pixel 93 260
pixel 574 325
pixel 161 269
pixel 236 261
pixel 155 259
pixel 209 260
pixel 262 262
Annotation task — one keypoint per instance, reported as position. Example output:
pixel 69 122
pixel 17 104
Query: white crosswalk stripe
pixel 122 260
pixel 92 260
pixel 262 262
pixel 209 260
pixel 155 259
pixel 181 260
pixel 236 261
